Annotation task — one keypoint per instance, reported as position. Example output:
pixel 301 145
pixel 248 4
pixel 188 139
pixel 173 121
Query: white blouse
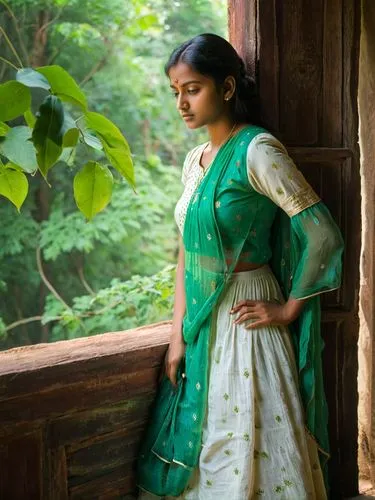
pixel 270 170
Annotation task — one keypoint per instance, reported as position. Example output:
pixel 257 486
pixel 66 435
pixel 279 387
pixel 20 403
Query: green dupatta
pixel 172 443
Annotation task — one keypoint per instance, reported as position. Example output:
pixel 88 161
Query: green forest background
pixel 60 276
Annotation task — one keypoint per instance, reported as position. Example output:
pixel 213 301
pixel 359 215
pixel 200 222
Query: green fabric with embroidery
pixel 172 443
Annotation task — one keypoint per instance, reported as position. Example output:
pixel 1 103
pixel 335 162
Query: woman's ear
pixel 229 87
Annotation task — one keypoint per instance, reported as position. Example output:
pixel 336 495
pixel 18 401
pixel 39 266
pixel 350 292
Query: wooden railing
pixel 72 413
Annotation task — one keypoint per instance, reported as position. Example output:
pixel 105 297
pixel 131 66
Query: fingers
pixel 170 370
pixel 255 311
pixel 257 324
pixel 245 316
pixel 173 374
pixel 243 303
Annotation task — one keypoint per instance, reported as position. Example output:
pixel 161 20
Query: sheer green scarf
pixel 171 447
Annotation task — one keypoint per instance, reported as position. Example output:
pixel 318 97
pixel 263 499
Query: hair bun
pixel 242 70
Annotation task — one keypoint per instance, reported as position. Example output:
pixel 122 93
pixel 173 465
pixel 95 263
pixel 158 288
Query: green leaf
pixel 114 143
pixel 18 148
pixel 29 118
pixel 13 166
pixel 68 122
pixel 4 129
pixel 14 186
pixel 68 156
pixel 15 99
pixel 92 141
pixel 63 85
pixel 92 188
pixel 48 133
pixel 71 138
pixel 70 131
pixel 31 78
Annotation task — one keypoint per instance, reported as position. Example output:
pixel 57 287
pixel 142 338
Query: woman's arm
pixel 313 232
pixel 179 298
pixel 176 348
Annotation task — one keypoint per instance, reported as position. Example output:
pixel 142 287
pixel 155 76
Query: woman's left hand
pixel 263 313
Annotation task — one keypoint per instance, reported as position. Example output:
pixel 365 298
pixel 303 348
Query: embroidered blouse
pixel 273 180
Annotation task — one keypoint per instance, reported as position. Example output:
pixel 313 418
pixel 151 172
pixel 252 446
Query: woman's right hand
pixel 175 353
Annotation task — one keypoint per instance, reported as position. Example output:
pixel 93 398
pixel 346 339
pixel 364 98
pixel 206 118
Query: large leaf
pixel 48 133
pixel 68 156
pixel 71 137
pixel 114 143
pixel 93 188
pixel 31 78
pixel 13 185
pixel 68 121
pixel 70 131
pixel 4 129
pixel 15 99
pixel 63 85
pixel 92 141
pixel 29 118
pixel 18 148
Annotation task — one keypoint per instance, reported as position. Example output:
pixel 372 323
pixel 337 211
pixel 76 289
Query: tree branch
pixel 11 46
pixel 58 51
pixel 45 280
pixel 9 63
pixel 100 64
pixel 17 28
pixel 79 265
pixel 23 321
pixel 51 21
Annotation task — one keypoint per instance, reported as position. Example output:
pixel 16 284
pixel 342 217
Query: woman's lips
pixel 187 117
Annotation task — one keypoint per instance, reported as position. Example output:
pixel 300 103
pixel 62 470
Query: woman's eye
pixel 193 91
pixel 175 94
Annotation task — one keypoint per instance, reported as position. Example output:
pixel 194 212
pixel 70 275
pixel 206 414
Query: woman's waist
pixel 216 267
pixel 244 266
pixel 219 265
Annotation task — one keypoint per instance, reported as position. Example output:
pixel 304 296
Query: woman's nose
pixel 182 103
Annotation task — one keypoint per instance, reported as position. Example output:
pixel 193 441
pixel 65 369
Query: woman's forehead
pixel 182 73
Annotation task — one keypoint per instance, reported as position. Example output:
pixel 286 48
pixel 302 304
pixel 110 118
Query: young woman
pixel 241 409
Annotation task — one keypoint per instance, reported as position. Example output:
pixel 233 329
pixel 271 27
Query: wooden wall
pixel 72 413
pixel 304 56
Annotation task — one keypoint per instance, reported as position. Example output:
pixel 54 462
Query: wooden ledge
pixel 131 358
pixel 36 357
pixel 72 413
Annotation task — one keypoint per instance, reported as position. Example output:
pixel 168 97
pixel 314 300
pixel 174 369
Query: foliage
pixel 121 306
pixel 51 132
pixel 115 50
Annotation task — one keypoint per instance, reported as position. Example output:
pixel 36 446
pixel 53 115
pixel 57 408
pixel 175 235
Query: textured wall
pixel 366 98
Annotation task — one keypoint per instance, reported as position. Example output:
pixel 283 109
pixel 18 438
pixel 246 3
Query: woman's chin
pixel 192 124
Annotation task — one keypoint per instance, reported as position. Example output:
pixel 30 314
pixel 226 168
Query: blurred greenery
pixel 61 277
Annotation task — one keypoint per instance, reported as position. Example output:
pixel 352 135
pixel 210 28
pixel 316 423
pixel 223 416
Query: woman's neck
pixel 220 131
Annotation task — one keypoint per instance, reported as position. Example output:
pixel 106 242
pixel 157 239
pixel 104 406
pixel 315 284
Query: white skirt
pixel 254 443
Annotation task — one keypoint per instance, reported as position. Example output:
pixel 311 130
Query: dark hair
pixel 212 56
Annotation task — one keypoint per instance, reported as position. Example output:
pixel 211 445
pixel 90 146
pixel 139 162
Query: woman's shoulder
pixel 265 142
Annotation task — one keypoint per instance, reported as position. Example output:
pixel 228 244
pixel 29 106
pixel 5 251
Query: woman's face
pixel 198 100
